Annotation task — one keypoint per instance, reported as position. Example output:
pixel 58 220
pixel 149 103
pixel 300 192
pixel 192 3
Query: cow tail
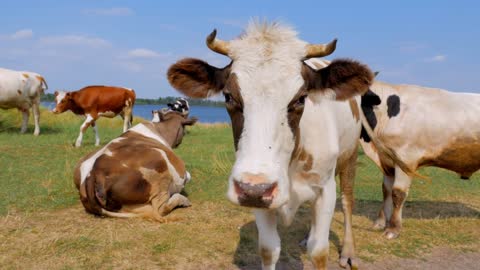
pixel 91 203
pixel 385 151
pixel 43 84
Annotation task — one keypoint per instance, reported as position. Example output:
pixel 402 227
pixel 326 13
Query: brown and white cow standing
pixel 94 102
pixel 136 174
pixel 426 127
pixel 22 90
pixel 291 134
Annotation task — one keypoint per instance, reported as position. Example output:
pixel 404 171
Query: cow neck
pixel 74 106
pixel 168 130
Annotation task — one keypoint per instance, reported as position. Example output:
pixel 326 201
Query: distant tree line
pixel 159 101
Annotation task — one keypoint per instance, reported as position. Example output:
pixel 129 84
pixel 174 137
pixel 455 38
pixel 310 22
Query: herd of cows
pixel 297 122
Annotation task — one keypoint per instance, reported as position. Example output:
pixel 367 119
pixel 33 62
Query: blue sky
pixel 132 42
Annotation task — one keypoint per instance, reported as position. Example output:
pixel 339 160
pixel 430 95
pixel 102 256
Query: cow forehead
pixel 61 95
pixel 267 60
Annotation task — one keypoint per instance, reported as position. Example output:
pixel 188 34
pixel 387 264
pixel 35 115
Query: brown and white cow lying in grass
pixel 22 90
pixel 94 102
pixel 292 134
pixel 136 174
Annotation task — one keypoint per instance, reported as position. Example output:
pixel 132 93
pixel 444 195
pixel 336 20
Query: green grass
pixel 42 224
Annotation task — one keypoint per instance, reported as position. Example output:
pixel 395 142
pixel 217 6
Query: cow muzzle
pixel 255 191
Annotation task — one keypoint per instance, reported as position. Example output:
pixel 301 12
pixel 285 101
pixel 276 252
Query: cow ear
pixel 341 80
pixel 190 121
pixel 196 78
pixel 69 95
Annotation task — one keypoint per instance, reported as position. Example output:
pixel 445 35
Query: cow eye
pixel 301 101
pixel 228 97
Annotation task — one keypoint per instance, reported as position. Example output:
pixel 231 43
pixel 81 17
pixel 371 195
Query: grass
pixel 43 225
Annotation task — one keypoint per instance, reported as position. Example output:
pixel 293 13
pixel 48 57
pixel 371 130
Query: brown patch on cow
pixel 234 105
pixel 354 109
pixel 310 177
pixel 461 156
pixel 308 163
pixel 25 75
pixel 300 154
pixel 398 197
pixel 19 91
pixel 320 259
pixel 266 255
pixel 346 77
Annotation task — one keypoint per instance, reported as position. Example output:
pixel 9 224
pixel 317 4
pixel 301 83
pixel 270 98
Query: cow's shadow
pixel 15 130
pixel 417 209
pixel 246 255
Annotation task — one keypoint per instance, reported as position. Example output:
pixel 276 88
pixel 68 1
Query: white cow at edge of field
pixel 22 90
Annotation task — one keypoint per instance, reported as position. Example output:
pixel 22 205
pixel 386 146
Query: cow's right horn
pixel 217 45
pixel 320 50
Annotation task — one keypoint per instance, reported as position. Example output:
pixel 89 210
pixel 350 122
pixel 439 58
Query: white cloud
pixel 20 34
pixel 115 11
pixel 143 53
pixel 437 58
pixel 77 40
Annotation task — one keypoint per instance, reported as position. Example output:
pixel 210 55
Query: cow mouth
pixel 257 195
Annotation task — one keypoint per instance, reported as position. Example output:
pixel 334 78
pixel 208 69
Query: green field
pixel 43 225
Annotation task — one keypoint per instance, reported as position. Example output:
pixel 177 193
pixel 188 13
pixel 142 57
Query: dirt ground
pixel 71 239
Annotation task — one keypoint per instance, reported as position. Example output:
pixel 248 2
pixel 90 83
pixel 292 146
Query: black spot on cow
pixel 369 100
pixel 393 105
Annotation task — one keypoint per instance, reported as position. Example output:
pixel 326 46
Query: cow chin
pixel 258 195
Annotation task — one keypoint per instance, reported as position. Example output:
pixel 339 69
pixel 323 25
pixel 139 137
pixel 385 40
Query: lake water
pixel 205 114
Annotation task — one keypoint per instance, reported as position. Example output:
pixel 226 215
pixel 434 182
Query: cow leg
pixel 163 205
pixel 25 116
pixel 323 210
pixel 127 120
pixel 268 239
pixel 97 138
pixel 177 200
pixel 36 116
pixel 399 195
pixel 386 211
pixel 347 179
pixel 88 121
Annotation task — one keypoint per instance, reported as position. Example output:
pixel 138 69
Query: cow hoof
pixel 378 225
pixel 391 234
pixel 348 261
pixel 36 133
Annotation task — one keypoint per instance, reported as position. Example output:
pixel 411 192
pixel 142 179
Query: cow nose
pixel 255 195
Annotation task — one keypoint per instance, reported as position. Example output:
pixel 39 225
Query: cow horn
pixel 217 45
pixel 320 50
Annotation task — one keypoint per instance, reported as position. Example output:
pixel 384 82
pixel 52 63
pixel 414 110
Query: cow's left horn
pixel 320 50
pixel 217 45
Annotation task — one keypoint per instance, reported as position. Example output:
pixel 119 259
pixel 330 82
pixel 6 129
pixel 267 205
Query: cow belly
pixel 109 114
pixel 462 158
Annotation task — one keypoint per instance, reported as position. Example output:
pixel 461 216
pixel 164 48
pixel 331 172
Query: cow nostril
pixel 266 191
pixel 271 191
